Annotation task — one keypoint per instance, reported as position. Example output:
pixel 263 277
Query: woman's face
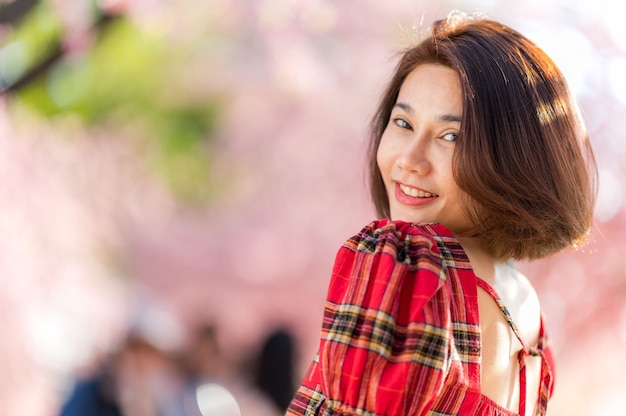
pixel 416 148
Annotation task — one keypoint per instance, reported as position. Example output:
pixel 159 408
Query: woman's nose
pixel 414 157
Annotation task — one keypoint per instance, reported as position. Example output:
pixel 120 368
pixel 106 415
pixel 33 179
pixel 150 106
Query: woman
pixel 479 156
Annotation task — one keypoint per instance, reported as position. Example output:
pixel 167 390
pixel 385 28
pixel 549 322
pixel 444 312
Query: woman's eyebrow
pixel 406 107
pixel 444 117
pixel 450 117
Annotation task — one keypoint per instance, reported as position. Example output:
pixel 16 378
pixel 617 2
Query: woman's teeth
pixel 415 193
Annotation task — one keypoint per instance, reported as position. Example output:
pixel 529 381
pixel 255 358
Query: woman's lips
pixel 412 196
pixel 414 192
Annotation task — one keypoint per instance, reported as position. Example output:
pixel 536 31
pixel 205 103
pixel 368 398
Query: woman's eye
pixel 401 123
pixel 450 137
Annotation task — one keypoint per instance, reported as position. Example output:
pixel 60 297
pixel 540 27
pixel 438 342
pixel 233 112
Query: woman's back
pixel 500 370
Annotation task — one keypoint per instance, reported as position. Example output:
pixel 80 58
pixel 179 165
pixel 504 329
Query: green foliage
pixel 28 43
pixel 182 153
pixel 131 75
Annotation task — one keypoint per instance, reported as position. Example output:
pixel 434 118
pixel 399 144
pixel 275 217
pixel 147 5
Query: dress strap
pixel 507 315
pixel 524 352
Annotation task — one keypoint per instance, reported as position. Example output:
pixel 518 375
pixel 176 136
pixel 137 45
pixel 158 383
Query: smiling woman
pixel 415 151
pixel 524 203
pixel 478 156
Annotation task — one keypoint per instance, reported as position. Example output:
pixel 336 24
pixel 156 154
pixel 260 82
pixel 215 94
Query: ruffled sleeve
pixel 386 332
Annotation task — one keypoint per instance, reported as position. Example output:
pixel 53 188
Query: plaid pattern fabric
pixel 400 333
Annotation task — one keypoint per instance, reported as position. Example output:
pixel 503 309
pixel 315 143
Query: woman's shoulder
pixel 428 245
pixel 405 227
pixel 393 254
pixel 399 233
pixel 408 243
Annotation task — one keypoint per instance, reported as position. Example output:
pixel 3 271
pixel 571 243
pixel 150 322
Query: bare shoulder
pixel 520 298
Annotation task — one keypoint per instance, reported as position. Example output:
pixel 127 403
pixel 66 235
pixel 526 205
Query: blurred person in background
pixel 275 368
pixel 479 156
pixel 95 395
pixel 138 379
pixel 217 386
pixel 202 364
pixel 142 375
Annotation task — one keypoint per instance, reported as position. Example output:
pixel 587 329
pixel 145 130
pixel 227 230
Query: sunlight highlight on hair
pixel 547 112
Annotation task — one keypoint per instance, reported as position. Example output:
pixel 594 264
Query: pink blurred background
pixel 94 244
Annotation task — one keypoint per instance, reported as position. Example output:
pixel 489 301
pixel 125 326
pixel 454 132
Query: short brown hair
pixel 523 156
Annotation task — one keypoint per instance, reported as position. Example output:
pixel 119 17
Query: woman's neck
pixel 482 262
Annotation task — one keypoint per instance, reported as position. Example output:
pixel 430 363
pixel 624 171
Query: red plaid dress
pixel 400 334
